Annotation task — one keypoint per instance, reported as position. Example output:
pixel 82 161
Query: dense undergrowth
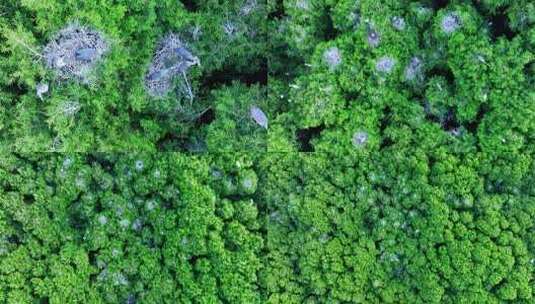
pixel 397 165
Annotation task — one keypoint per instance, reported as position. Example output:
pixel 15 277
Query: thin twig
pixel 187 85
pixel 27 47
pixel 203 111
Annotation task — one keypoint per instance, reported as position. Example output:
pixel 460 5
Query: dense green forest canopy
pixel 302 151
pixel 397 227
pixel 105 105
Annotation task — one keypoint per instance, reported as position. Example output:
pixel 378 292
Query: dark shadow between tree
pixel 450 123
pixel 190 5
pixel 473 126
pixel 279 12
pixel 444 72
pixel 330 32
pixel 499 26
pixel 28 199
pixel 439 4
pixel 227 76
pixel 304 136
pixel 384 122
pixel 206 118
